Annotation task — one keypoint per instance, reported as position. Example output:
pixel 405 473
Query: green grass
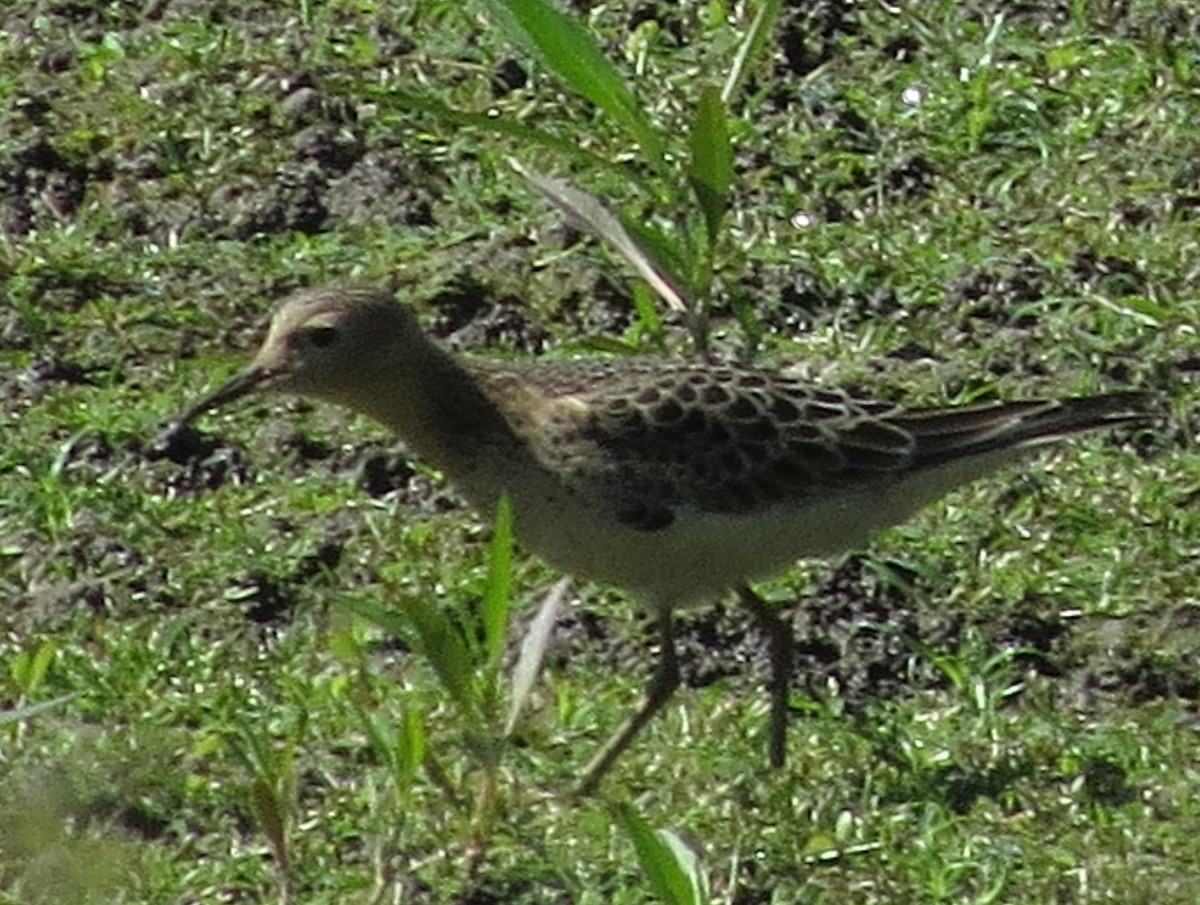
pixel 1030 223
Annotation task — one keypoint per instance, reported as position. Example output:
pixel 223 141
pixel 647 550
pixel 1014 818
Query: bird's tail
pixel 944 434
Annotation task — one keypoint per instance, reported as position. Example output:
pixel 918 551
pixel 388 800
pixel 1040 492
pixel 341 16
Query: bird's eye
pixel 322 337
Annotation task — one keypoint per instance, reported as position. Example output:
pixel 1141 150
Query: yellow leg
pixel 783 654
pixel 658 691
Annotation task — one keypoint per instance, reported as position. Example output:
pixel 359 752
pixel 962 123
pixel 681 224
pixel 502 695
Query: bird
pixel 675 480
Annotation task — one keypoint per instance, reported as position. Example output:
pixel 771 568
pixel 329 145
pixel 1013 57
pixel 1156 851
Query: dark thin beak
pixel 235 388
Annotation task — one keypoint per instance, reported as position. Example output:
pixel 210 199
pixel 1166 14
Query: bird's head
pixel 321 343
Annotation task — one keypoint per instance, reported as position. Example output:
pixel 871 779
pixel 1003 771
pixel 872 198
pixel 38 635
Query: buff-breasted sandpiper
pixel 675 480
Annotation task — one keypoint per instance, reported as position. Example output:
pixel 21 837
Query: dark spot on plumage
pixel 784 410
pixel 828 398
pixel 643 516
pixel 656 454
pixel 715 394
pixel 694 422
pixel 718 499
pixel 752 381
pixel 732 461
pixel 619 405
pixel 746 494
pixel 807 432
pixel 762 430
pixel 685 393
pixel 667 412
pixel 706 471
pixel 884 437
pixel 873 460
pixel 616 434
pixel 755 453
pixel 806 458
pixel 874 409
pixel 648 396
pixel 765 488
pixel 717 432
pixel 790 472
pixel 871 446
pixel 743 409
pixel 697 379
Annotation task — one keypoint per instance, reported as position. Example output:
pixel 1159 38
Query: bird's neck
pixel 437 407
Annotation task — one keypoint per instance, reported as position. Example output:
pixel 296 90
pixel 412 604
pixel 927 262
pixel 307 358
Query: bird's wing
pixel 645 439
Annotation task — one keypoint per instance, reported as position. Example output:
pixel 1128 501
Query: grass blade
pixel 751 47
pixel 414 100
pixel 588 213
pixel 403 751
pixel 533 651
pixel 565 47
pixel 670 864
pixel 710 169
pixel 23 713
pixel 440 641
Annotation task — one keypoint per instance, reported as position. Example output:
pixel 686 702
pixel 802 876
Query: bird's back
pixel 681 479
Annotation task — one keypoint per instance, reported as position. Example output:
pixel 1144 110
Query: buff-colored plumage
pixel 674 480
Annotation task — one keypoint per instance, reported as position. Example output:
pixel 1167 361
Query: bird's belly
pixel 702 554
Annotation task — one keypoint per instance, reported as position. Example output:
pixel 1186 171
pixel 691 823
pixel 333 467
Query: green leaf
pixel 751 48
pixel 426 103
pixel 533 651
pixel 566 48
pixel 381 735
pixel 404 752
pixel 269 810
pixel 24 713
pixel 610 345
pixel 669 863
pixel 439 639
pixel 710 169
pixel 649 321
pixel 29 667
pixel 410 751
pixel 668 246
pixel 588 213
pixel 688 860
